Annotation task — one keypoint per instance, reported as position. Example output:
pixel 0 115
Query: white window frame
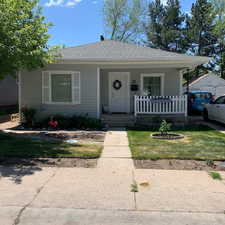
pixel 72 73
pixel 161 75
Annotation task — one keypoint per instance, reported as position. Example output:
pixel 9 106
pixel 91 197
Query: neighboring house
pixel 8 91
pixel 209 82
pixel 104 77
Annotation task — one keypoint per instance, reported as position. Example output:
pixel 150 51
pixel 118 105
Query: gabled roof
pixel 214 76
pixel 111 51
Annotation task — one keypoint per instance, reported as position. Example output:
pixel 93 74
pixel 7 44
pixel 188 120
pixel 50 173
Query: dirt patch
pixel 184 140
pixel 83 137
pixel 174 164
pixel 49 162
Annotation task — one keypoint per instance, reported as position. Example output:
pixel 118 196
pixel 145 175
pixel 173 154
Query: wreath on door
pixel 117 84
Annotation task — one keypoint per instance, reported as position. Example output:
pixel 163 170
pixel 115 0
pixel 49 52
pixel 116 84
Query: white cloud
pixel 72 2
pixel 69 3
pixel 54 3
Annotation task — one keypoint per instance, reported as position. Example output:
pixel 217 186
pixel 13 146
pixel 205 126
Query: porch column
pixel 98 93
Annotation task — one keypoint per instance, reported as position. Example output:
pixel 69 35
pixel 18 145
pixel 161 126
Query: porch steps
pixel 118 120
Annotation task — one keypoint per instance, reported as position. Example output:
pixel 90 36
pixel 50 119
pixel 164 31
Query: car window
pixel 202 95
pixel 220 100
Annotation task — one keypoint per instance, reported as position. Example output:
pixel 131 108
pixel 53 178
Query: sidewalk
pixel 47 196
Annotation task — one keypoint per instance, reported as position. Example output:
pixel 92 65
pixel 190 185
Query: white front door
pixel 119 92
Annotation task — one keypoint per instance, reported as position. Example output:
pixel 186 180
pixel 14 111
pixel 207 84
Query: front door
pixel 119 95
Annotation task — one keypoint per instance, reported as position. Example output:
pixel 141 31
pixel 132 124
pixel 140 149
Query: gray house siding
pixel 8 91
pixel 171 82
pixel 31 87
pixel 31 91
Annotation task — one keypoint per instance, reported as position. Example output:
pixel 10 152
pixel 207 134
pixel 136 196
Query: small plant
pixel 164 128
pixel 134 187
pixel 28 114
pixel 215 175
pixel 210 163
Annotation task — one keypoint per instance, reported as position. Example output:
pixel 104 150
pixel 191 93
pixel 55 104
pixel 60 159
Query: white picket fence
pixel 160 105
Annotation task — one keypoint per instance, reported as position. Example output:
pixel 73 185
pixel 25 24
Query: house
pixel 109 77
pixel 8 92
pixel 209 82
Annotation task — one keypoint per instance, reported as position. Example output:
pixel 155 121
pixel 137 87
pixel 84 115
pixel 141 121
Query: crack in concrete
pixel 135 199
pixel 17 219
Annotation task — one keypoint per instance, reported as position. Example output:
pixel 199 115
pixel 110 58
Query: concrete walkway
pixel 68 196
pixel 116 152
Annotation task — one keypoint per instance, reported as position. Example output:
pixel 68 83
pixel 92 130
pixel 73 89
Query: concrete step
pixel 119 124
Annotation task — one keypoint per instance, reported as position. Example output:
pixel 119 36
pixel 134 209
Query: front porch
pixel 150 110
pixel 129 96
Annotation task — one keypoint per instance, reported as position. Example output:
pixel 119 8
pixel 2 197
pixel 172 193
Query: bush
pixel 76 121
pixel 29 116
pixel 164 127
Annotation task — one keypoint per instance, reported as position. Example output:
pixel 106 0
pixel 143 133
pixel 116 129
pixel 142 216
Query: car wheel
pixel 205 115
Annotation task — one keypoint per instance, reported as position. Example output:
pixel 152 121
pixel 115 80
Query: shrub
pixel 76 121
pixel 164 127
pixel 29 116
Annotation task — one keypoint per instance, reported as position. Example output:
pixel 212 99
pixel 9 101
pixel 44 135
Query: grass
pixel 35 148
pixel 215 175
pixel 134 187
pixel 200 143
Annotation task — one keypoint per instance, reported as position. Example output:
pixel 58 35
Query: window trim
pixel 161 75
pixel 57 72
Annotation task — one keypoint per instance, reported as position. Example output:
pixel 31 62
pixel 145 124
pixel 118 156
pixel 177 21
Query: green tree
pixel 154 26
pixel 123 19
pixel 173 30
pixel 23 37
pixel 219 31
pixel 164 28
pixel 200 34
pixel 200 26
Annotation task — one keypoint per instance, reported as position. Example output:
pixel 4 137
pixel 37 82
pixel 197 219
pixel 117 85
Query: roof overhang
pixel 189 62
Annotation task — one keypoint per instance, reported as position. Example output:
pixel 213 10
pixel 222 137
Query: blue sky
pixel 79 21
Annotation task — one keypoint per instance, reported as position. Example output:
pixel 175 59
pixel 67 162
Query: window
pixel 60 87
pixel 152 85
pixel 220 100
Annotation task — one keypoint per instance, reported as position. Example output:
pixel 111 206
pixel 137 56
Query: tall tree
pixel 123 19
pixel 200 25
pixel 23 37
pixel 219 31
pixel 165 26
pixel 200 36
pixel 154 26
pixel 173 30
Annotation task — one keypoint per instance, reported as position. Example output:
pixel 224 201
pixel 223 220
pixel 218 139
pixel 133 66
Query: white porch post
pixel 98 93
pixel 135 105
pixel 181 81
pixel 186 105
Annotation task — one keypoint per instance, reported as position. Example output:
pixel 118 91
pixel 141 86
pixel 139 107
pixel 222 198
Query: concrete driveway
pixel 102 196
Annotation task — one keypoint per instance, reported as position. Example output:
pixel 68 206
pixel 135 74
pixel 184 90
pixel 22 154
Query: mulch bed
pixel 174 164
pixel 49 162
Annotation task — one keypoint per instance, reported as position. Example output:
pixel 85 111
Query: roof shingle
pixel 110 50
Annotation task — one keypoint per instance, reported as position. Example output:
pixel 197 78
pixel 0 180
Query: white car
pixel 215 110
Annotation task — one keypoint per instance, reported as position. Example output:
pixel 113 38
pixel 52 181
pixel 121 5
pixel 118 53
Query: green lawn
pixel 35 148
pixel 200 142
